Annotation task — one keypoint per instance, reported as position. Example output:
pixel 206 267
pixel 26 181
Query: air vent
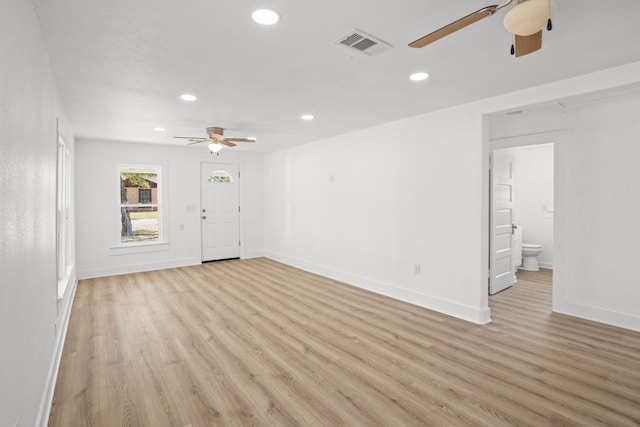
pixel 363 43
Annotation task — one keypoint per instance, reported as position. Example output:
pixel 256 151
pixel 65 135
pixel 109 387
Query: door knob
pixel 204 217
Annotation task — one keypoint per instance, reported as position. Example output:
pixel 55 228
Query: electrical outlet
pixel 416 269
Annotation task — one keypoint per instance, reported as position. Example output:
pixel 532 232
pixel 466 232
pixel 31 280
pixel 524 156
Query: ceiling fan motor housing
pixel 215 132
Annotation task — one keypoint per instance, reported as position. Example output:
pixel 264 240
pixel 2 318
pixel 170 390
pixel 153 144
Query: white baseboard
pixel 546 265
pixel 139 268
pixel 596 314
pixel 136 268
pixel 471 314
pixel 47 396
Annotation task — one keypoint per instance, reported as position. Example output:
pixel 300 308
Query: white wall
pixel 603 198
pixel 98 220
pixel 533 197
pixel 421 200
pixel 32 319
pixel 362 210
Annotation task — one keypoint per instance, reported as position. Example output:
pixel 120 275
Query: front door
pixel 501 266
pixel 220 211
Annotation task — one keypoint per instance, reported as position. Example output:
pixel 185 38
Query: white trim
pixel 138 248
pixel 450 308
pixel 556 137
pixel 599 315
pixel 47 397
pixel 539 138
pixel 137 268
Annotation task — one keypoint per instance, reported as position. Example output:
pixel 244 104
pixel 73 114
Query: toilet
pixel 530 252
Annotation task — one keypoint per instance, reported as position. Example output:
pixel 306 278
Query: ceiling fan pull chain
pixel 513 49
pixel 549 25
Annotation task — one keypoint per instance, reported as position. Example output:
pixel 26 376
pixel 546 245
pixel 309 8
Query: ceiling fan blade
pixel 454 26
pixel 527 44
pixel 197 142
pixel 240 139
pixel 192 137
pixel 227 143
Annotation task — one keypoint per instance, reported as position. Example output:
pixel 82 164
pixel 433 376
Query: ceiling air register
pixel 363 43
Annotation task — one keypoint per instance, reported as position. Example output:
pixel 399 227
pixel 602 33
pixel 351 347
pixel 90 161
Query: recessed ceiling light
pixel 307 117
pixel 187 97
pixel 417 77
pixel 159 129
pixel 265 16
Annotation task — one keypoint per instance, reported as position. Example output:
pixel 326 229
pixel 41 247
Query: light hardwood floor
pixel 254 342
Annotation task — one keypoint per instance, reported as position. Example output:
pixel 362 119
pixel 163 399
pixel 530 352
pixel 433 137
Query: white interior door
pixel 220 211
pixel 501 251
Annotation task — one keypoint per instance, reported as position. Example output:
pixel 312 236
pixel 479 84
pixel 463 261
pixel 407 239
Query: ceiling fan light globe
pixel 214 147
pixel 528 17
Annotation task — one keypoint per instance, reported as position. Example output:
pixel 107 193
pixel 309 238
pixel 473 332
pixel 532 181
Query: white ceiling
pixel 121 65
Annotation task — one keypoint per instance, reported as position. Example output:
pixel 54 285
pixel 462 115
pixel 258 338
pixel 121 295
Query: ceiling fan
pixel 216 139
pixel 525 21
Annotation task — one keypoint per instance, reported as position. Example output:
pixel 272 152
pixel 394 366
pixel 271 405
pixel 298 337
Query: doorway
pixel 521 200
pixel 220 211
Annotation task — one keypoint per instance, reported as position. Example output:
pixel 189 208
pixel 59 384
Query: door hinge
pixel 238 174
pixel 238 208
pixel 239 242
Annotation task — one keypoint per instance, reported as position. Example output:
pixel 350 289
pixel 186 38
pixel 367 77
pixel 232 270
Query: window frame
pixel 64 229
pixel 160 243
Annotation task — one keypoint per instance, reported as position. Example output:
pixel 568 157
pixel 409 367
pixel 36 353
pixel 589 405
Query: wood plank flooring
pixel 255 342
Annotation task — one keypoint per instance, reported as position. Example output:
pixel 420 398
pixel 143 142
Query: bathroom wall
pixel 533 197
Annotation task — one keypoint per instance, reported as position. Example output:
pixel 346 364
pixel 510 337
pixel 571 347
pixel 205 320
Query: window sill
pixel 63 283
pixel 138 248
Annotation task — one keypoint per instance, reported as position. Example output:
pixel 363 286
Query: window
pixel 145 195
pixel 139 204
pixel 220 176
pixel 63 222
